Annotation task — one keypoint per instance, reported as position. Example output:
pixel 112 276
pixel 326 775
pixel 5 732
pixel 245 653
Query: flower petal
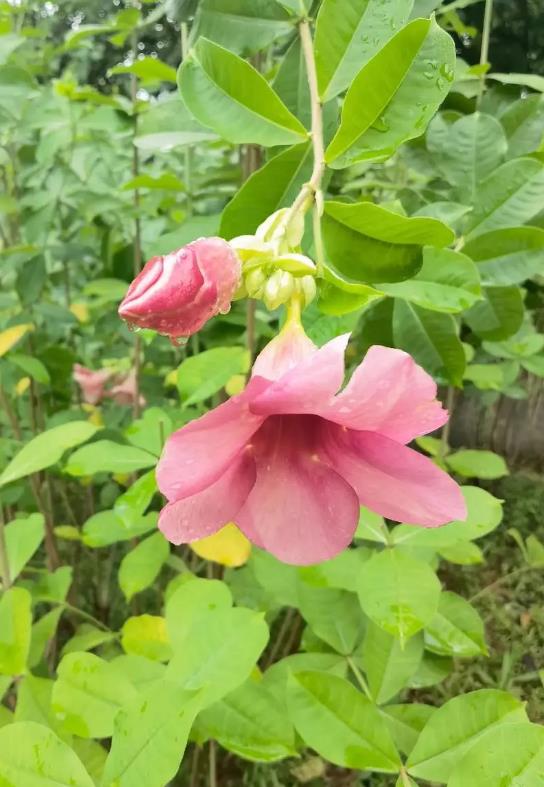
pixel 198 454
pixel 389 393
pixel 300 509
pixel 392 479
pixel 308 387
pixel 286 350
pixel 200 515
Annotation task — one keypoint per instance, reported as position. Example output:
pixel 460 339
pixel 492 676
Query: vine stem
pixel 484 54
pixel 311 191
pixel 213 765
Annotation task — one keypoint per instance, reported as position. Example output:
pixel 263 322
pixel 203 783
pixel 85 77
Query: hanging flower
pixel 178 293
pixel 290 460
pixel 92 384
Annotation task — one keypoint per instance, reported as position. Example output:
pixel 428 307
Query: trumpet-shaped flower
pixel 291 459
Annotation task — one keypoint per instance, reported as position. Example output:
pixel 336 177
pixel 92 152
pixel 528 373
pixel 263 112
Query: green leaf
pixel 387 665
pixel 447 282
pixel 333 615
pixel 106 528
pixel 512 755
pixel 149 70
pixel 251 723
pixel 15 630
pixel 371 527
pixel 202 375
pixel 405 722
pixel 506 257
pixel 348 33
pixel 499 315
pixel 31 366
pixel 168 124
pixel 534 81
pixel 456 630
pixel 477 464
pixel 34 702
pixel 131 505
pixel 340 572
pixel 244 26
pixel 464 553
pixel 431 338
pixel 194 227
pixel 456 726
pixel 510 196
pixel 279 579
pixel 367 243
pixel 192 602
pixel 166 182
pixel 395 95
pixel 105 456
pixel 220 652
pixel 149 737
pixel 467 151
pixel 23 537
pixel 87 637
pixel 42 633
pixel 88 693
pixel 53 762
pixel 523 121
pixel 228 95
pixel 484 514
pixel 146 635
pixel 431 672
pixel 399 593
pixel 272 187
pixel 338 722
pixel 47 449
pixel 141 566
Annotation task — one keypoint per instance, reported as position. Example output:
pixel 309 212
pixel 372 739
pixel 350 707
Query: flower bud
pixel 307 287
pixel 276 230
pixel 255 281
pixel 278 289
pixel 178 293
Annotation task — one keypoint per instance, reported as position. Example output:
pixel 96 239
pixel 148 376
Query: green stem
pixel 311 191
pixel 484 54
pixel 213 765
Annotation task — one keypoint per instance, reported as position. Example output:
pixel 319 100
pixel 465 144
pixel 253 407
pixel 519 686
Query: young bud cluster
pixel 273 268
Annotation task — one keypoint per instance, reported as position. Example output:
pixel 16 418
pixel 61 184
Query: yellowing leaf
pixel 11 336
pixel 228 546
pixel 80 311
pixel 236 384
pixel 122 478
pixel 22 385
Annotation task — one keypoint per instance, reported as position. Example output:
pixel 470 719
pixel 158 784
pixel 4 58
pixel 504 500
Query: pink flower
pixel 290 459
pixel 125 391
pixel 92 384
pixel 176 294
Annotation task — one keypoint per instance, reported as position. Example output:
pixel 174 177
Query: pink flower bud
pixel 178 293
